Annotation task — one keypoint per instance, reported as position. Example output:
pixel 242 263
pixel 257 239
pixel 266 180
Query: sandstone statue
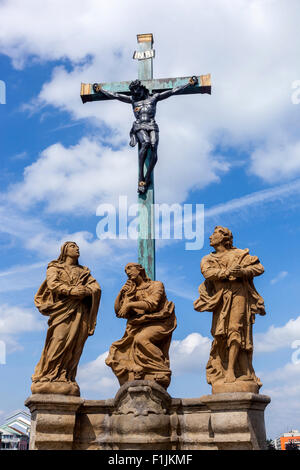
pixel 70 296
pixel 143 352
pixel 228 291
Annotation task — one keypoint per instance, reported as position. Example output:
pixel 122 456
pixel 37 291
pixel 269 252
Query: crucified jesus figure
pixel 144 130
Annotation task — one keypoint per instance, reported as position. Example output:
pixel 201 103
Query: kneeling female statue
pixel 143 352
pixel 70 296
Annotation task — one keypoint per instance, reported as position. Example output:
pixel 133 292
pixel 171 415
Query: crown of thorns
pixel 137 84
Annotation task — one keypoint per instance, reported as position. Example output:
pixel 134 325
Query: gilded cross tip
pixel 148 37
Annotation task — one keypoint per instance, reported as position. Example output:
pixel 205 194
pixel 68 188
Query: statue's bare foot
pixel 142 187
pixel 229 377
pixel 133 141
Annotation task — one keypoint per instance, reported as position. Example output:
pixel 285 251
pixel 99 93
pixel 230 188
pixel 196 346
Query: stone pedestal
pixel 52 421
pixel 237 420
pixel 140 418
pixel 143 416
pixel 243 386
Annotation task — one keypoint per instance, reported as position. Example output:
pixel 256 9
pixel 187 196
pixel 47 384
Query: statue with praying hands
pixel 145 130
pixel 70 296
pixel 228 291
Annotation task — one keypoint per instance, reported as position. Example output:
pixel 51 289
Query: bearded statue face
pixel 132 271
pixel 221 235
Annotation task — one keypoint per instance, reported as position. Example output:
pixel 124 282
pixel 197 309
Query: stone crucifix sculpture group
pixel 70 296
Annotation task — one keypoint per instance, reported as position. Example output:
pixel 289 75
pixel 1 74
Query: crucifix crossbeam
pixel 154 86
pixel 143 95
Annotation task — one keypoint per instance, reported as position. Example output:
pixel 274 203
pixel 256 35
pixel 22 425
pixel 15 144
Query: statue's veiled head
pixel 68 249
pixel 221 236
pixel 138 91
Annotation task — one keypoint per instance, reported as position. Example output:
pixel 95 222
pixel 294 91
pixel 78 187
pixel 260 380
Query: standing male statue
pixel 70 296
pixel 228 291
pixel 145 130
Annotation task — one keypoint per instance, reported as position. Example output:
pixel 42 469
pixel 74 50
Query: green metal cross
pixel 145 54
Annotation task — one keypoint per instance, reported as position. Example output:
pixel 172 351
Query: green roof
pixel 8 430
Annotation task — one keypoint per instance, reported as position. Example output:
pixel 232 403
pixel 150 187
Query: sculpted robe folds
pixel 143 352
pixel 234 303
pixel 71 321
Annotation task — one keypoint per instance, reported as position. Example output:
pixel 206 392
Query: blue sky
pixel 236 151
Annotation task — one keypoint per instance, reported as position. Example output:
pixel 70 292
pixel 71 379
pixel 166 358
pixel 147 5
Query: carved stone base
pixel 56 387
pixel 237 420
pixel 144 416
pixel 52 421
pixel 238 386
pixel 140 418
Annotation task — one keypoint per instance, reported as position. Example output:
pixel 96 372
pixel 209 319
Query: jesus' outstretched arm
pixel 166 94
pixel 117 96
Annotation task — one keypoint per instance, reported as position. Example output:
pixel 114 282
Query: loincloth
pixel 144 126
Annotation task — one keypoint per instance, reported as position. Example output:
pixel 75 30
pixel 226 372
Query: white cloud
pixel 15 321
pixel 276 162
pixel 96 376
pixel 187 355
pixel 278 337
pixel 283 386
pixel 77 178
pixel 190 354
pixel 99 114
pixel 282 376
pixel 80 177
pixel 55 30
pixel 251 100
pixel 279 277
pixel 20 269
pixel 183 291
pixel 283 413
pixel 34 235
pixel 277 193
pixel 21 276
